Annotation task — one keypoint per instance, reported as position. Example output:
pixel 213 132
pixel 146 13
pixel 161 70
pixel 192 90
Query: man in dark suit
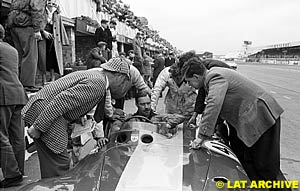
pixel 103 34
pixel 12 100
pixel 253 115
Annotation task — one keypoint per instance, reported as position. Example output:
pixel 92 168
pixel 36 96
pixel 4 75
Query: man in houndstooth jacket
pixel 66 99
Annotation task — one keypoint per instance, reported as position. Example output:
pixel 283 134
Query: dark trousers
pixel 51 164
pixel 262 160
pixel 26 44
pixel 47 56
pixel 12 143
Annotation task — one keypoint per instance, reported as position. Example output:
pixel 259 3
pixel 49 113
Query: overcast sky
pixel 221 26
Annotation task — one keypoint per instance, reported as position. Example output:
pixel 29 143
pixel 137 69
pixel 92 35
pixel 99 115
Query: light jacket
pixel 60 39
pixel 178 100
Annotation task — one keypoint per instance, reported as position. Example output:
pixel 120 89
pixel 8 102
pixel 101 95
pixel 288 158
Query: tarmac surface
pixel 282 81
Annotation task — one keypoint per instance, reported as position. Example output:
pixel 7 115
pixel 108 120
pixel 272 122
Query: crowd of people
pixel 195 86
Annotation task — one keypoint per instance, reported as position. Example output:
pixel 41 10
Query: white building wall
pixel 78 8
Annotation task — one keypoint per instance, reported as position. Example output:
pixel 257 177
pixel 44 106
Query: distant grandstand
pixel 285 53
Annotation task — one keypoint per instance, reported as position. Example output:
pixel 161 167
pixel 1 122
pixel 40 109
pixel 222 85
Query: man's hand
pixel 33 133
pixel 192 122
pixel 101 142
pixel 197 143
pixel 48 35
pixel 38 36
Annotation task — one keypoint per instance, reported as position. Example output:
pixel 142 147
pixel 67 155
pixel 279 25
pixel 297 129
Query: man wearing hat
pixel 67 99
pixel 136 81
pixel 103 34
pixel 95 57
pixel 12 100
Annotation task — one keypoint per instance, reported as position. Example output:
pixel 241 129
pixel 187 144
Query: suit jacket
pixel 239 101
pixel 109 38
pixel 104 36
pixel 11 89
pixel 208 63
pixel 62 101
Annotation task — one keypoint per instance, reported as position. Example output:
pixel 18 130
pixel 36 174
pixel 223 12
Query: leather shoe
pixel 8 182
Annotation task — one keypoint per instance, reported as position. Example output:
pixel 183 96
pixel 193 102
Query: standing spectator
pixel 137 48
pixel 253 115
pixel 102 35
pixel 12 99
pixel 158 66
pixel 113 29
pixel 26 20
pixel 109 41
pixel 95 57
pixel 132 92
pixel 148 62
pixel 169 60
pixel 54 37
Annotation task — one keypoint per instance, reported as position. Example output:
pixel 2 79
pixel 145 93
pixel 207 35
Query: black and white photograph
pixel 140 95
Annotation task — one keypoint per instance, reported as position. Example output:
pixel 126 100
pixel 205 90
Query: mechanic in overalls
pixel 180 98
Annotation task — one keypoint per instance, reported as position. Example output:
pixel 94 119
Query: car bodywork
pixel 140 158
pixel 231 62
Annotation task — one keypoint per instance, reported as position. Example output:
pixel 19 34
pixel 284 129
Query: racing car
pixel 141 157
